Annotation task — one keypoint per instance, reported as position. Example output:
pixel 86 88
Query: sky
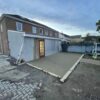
pixel 72 17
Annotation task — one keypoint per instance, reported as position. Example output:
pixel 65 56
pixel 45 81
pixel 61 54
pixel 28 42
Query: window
pixel 41 31
pixel 46 32
pixel 1 28
pixel 34 29
pixel 51 33
pixel 19 26
pixel 56 34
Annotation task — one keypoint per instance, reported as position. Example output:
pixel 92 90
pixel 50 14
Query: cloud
pixel 66 28
pixel 67 15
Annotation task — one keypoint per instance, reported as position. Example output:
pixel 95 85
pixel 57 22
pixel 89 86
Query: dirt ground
pixel 83 83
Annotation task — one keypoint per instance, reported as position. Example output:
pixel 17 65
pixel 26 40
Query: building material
pixel 20 52
pixel 56 65
pixel 71 70
pixel 44 70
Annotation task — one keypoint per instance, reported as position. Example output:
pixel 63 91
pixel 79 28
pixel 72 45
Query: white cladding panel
pixel 28 50
pixel 15 42
pixel 51 46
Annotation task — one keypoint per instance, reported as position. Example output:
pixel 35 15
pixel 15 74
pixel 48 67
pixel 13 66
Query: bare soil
pixel 83 83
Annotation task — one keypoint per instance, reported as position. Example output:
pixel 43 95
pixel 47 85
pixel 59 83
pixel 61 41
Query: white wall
pixel 28 50
pixel 63 38
pixel 15 42
pixel 51 46
pixel 36 49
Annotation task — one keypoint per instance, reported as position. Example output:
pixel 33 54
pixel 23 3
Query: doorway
pixel 41 48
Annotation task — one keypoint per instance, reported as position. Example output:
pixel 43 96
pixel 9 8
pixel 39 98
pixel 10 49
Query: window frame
pixel 46 32
pixel 19 28
pixel 51 33
pixel 41 33
pixel 34 27
pixel 56 35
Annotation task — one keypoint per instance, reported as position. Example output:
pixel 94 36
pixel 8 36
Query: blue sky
pixel 69 16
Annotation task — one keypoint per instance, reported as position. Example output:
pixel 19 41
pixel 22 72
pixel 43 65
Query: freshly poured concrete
pixel 57 64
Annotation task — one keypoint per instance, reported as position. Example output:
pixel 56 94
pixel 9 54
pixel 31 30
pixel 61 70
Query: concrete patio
pixel 58 64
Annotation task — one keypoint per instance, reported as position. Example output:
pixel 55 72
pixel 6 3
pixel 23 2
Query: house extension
pixel 26 39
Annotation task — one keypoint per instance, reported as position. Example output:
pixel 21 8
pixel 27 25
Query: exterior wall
pixel 11 24
pixel 27 28
pixel 64 38
pixel 1 48
pixel 76 40
pixel 36 49
pixel 78 49
pixel 28 50
pixel 60 48
pixel 4 38
pixel 81 48
pixel 51 46
pixel 15 42
pixel 12 40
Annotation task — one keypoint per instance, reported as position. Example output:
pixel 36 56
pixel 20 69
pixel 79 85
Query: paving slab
pixel 57 64
pixel 13 75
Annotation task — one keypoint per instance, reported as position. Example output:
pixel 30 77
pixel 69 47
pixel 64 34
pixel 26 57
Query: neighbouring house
pixel 26 39
pixel 91 39
pixel 64 37
pixel 76 39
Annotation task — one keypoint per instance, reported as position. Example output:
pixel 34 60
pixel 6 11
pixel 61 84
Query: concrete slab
pixel 13 75
pixel 6 68
pixel 57 64
pixel 71 70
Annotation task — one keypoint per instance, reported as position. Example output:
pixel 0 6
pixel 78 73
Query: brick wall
pixel 11 25
pixel 4 38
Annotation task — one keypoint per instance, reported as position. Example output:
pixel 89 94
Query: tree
pixel 98 25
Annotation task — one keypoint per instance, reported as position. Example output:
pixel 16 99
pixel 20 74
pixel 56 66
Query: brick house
pixel 26 39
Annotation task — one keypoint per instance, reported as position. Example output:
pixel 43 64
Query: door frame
pixel 39 48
